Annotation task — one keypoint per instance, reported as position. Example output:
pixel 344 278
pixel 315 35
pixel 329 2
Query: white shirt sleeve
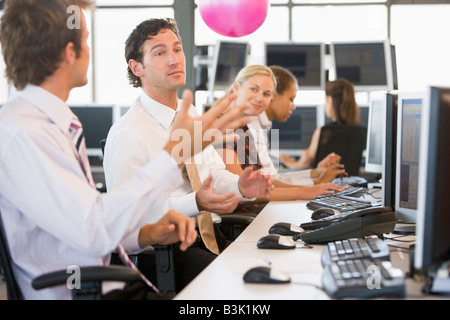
pixel 53 193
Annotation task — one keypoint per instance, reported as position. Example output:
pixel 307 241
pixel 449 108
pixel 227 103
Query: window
pixel 339 23
pixel 112 28
pixel 422 49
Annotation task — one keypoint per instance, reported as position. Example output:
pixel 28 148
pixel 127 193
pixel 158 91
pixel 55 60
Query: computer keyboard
pixel 342 203
pixel 363 278
pixel 347 192
pixel 355 248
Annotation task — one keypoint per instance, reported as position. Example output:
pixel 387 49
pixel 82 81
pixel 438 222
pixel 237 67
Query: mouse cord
pixel 308 284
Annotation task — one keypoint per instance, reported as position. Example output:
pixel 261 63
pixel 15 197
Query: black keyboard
pixel 342 203
pixel 347 192
pixel 355 248
pixel 363 278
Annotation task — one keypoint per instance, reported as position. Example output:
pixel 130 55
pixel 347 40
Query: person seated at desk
pixel 256 85
pixel 341 108
pixel 156 64
pixel 53 216
pixel 280 108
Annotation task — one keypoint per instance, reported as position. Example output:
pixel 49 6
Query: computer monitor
pixel 228 59
pixel 294 135
pixel 304 60
pixel 389 152
pixel 394 67
pixel 374 144
pixel 409 112
pixel 368 65
pixel 96 121
pixel 433 215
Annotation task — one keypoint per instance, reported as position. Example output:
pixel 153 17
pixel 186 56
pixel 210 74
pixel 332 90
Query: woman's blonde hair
pixel 250 71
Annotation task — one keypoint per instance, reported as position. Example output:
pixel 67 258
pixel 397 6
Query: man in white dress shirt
pixel 53 216
pixel 156 63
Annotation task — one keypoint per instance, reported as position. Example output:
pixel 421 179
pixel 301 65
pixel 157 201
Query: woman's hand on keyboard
pixel 321 189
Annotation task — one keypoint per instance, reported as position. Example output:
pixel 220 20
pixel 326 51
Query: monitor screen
pixel 96 121
pixel 229 58
pixel 408 146
pixel 433 215
pixel 374 144
pixel 368 65
pixel 295 134
pixel 304 60
pixel 389 150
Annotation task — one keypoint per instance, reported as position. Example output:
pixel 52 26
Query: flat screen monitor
pixel 408 149
pixel 96 121
pixel 228 59
pixel 304 60
pixel 433 215
pixel 375 128
pixel 368 65
pixel 294 135
pixel 388 175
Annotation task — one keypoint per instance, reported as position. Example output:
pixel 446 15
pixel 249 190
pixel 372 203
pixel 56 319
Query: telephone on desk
pixel 352 224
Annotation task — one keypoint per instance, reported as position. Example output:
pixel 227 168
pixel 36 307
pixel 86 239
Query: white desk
pixel 223 278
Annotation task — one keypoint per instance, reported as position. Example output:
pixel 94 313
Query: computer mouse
pixel 266 275
pixel 285 229
pixel 274 241
pixel 322 213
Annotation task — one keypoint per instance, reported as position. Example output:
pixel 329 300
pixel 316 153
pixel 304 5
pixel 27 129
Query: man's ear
pixel 69 54
pixel 135 67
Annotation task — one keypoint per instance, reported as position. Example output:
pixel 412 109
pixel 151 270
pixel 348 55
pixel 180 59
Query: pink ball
pixel 234 18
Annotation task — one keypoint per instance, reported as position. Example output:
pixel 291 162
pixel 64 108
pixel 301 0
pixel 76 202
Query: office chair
pixel 348 141
pixel 162 254
pixel 91 278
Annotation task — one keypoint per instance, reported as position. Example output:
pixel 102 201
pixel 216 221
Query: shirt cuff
pixel 131 244
pixel 186 204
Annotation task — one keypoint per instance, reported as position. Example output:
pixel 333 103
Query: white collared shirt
pixel 136 138
pixel 260 127
pixel 53 218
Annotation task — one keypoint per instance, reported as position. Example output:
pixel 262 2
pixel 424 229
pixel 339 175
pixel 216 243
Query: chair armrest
pixel 236 219
pixel 87 274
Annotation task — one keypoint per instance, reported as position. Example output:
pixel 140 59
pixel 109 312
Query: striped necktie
pixel 76 131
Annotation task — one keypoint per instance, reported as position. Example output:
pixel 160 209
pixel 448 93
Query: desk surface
pixel 223 278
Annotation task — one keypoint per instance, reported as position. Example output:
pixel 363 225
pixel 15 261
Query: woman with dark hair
pixel 341 108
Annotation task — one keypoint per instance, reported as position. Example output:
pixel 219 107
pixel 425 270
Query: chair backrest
pixel 12 288
pixel 102 145
pixel 348 141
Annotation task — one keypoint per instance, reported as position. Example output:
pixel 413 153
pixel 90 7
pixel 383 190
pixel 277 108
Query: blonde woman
pixel 256 85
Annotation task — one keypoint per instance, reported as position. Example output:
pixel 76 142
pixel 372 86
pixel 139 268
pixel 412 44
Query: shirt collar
pixel 264 121
pixel 55 108
pixel 158 110
pixel 161 112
